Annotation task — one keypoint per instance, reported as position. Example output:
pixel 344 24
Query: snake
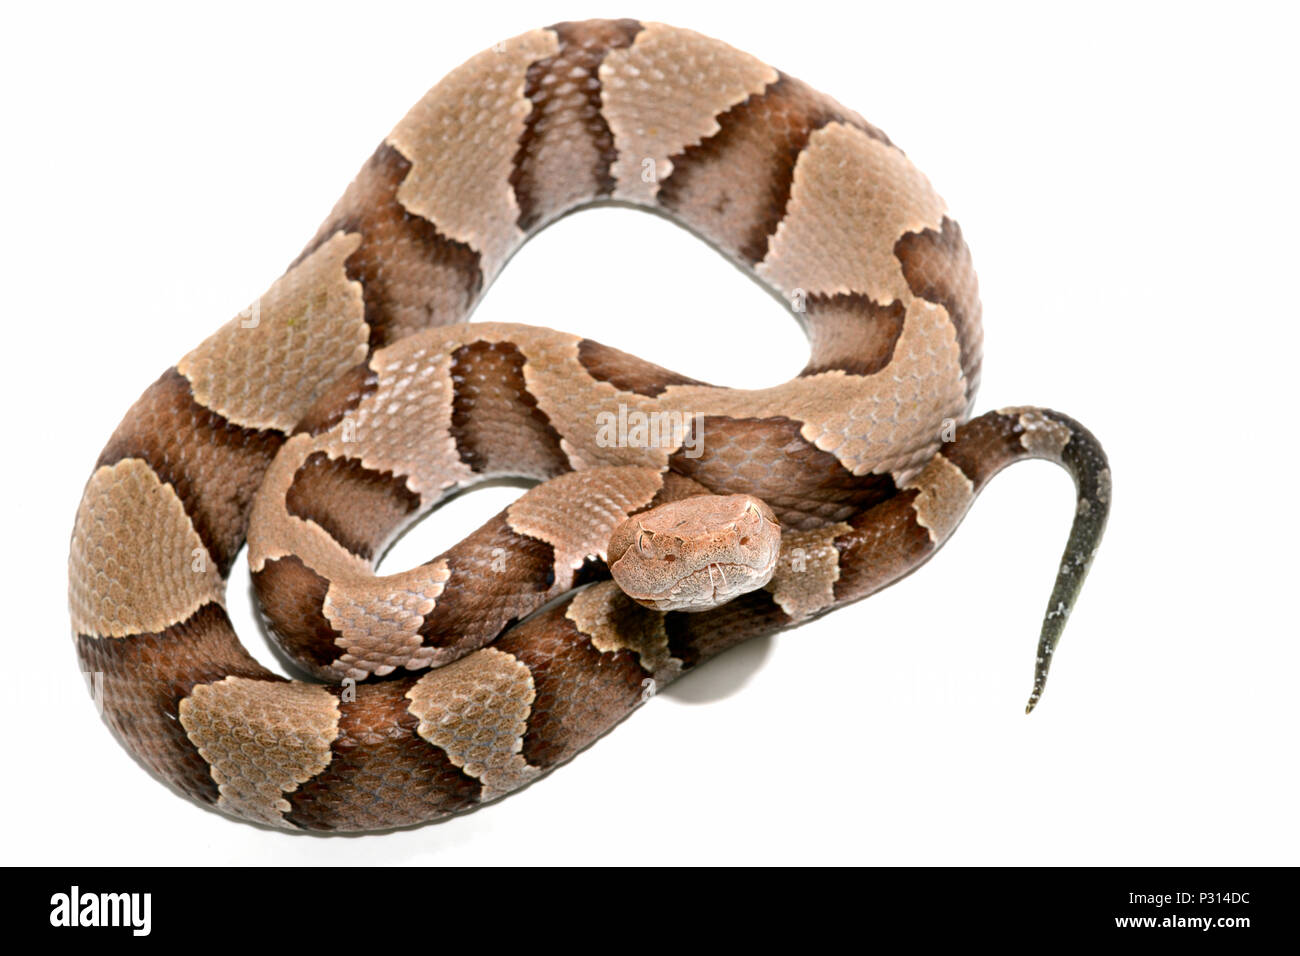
pixel 664 519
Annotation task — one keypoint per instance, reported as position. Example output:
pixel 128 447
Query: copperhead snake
pixel 672 518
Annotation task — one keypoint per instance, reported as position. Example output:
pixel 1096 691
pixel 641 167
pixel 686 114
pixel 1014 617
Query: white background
pixel 1126 178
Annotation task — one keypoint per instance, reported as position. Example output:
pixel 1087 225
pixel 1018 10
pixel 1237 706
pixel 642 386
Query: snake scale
pixel 671 519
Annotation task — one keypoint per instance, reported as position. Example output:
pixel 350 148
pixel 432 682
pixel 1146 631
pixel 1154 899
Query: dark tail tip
pixel 1083 458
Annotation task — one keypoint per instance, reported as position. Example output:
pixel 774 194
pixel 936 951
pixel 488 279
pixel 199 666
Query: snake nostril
pixel 744 541
pixel 670 557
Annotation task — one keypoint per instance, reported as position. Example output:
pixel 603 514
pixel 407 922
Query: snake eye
pixel 752 509
pixel 642 541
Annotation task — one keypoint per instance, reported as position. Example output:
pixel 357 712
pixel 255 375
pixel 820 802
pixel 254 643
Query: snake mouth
pixel 723 576
pixel 711 584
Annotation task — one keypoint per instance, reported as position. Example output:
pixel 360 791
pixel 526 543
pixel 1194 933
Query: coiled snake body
pixel 352 398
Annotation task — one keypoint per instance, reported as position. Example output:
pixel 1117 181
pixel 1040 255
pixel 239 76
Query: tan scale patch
pixel 807 569
pixel 461 141
pixel 476 710
pixel 852 198
pixel 575 513
pixel 413 397
pixel 136 566
pixel 379 619
pixel 614 622
pixel 264 369
pixel 1042 437
pixel 945 495
pixel 262 738
pixel 664 93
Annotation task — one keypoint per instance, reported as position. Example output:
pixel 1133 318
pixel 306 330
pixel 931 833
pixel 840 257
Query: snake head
pixel 696 553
